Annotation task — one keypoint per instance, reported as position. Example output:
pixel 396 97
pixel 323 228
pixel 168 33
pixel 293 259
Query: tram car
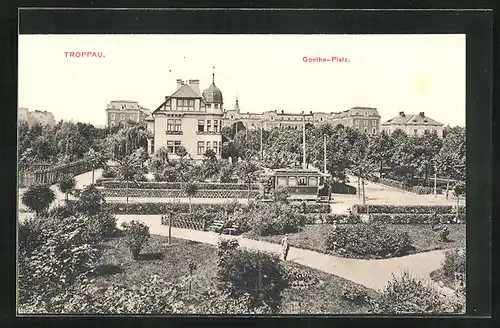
pixel 309 184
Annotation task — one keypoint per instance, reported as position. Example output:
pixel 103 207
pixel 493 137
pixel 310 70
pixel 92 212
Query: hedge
pixel 99 181
pixel 176 193
pixel 161 208
pixel 419 190
pixel 414 218
pixel 311 207
pixel 429 209
pixel 113 183
pixel 329 218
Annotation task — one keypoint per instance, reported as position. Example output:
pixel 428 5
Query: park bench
pixel 220 224
pixel 233 229
pixel 217 225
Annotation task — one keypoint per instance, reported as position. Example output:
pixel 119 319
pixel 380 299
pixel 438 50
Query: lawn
pixel 313 237
pixel 170 263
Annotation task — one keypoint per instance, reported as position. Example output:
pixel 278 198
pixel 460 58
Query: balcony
pixel 204 133
pixel 173 132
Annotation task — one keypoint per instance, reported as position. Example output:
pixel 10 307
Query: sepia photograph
pixel 241 174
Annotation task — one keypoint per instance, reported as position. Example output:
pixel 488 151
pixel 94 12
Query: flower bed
pixel 410 218
pixel 400 209
pixel 176 193
pixel 113 183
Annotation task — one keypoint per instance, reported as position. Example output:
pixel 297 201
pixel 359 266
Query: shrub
pixel 281 194
pixel 136 234
pixel 53 254
pixel 256 276
pixel 153 296
pixel 38 198
pixel 369 240
pixel 355 295
pixel 414 218
pixel 322 218
pixel 407 295
pixel 454 268
pixel 298 277
pixel 403 209
pixel 270 219
pixel 311 207
pixel 91 201
pixel 109 172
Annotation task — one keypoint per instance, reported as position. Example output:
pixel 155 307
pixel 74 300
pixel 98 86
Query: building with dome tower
pixel 188 118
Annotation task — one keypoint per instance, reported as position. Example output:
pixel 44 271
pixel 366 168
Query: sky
pixel 410 73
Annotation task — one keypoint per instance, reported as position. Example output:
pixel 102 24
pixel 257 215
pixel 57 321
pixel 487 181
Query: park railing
pixel 50 175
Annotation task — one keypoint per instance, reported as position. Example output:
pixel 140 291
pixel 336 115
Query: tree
pixel 380 149
pixel 458 190
pixel 66 183
pixel 281 194
pixel 248 171
pixel 190 188
pixel 95 159
pixel 128 167
pixel 210 165
pixel 362 164
pixel 226 171
pixel 90 201
pixel 38 198
pixel 181 151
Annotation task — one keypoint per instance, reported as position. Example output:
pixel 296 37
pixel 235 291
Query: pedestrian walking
pixel 285 246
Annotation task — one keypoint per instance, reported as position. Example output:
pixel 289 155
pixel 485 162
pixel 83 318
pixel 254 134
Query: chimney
pixel 195 85
pixel 282 112
pixel 311 112
pixel 180 83
pixel 402 114
pixel 422 114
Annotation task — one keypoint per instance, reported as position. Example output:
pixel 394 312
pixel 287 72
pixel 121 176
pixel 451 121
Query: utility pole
pixel 261 147
pixel 435 180
pixel 324 153
pixel 303 141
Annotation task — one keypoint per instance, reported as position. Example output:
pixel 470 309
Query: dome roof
pixel 212 94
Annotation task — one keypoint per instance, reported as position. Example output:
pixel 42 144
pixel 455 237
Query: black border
pixel 477 25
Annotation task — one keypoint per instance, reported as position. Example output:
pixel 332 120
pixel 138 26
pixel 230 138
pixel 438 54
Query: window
pixel 374 130
pixel 112 116
pixel 209 126
pixel 209 146
pixel 122 117
pixel 216 125
pixel 177 125
pixel 281 181
pixel 185 105
pixel 366 123
pixel 167 104
pixel 321 119
pixel 426 131
pixel 415 132
pixel 356 122
pixel 132 116
pixel 170 146
pixel 177 144
pixel 366 130
pixel 216 106
pixel 170 125
pixel 201 126
pixel 201 147
pixel 292 181
pixel 302 181
pixel 191 102
pixel 313 181
pixel 152 146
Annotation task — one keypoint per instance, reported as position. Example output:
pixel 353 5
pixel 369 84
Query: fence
pixel 175 193
pixel 50 175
